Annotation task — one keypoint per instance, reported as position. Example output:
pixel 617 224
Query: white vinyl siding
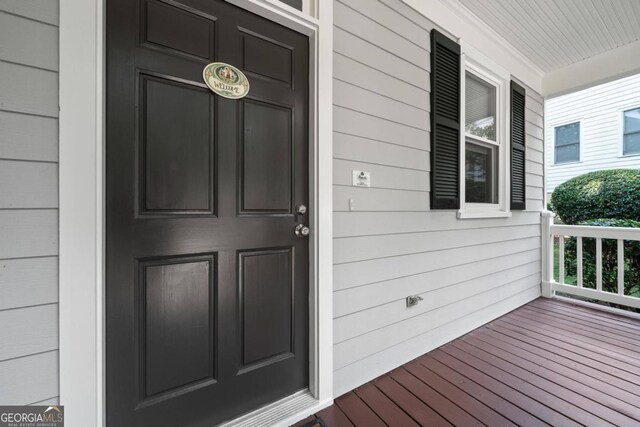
pixel 600 112
pixel 29 202
pixel 392 245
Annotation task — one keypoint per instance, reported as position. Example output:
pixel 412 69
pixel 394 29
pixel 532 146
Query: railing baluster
pixel 599 264
pixel 561 259
pixel 552 256
pixel 579 260
pixel 620 267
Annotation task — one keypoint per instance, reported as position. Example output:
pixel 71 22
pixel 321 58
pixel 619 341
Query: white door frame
pixel 82 172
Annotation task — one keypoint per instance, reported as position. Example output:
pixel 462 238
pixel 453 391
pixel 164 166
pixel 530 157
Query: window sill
pixel 622 156
pixel 577 162
pixel 470 214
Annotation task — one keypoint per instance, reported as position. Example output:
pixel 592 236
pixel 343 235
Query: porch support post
pixel 547 253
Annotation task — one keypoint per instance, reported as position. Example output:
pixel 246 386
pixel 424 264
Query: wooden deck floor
pixel 546 363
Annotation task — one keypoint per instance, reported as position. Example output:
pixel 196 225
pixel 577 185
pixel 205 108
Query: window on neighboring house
pixel 567 143
pixel 631 132
pixel 481 145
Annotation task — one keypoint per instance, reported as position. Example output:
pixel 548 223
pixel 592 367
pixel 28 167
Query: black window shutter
pixel 518 157
pixel 445 122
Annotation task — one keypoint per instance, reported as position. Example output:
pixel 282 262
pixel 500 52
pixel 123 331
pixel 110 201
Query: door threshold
pixel 283 412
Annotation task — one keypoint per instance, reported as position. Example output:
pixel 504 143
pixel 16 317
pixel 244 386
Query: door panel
pixel 267 58
pixel 266 140
pixel 206 283
pixel 179 329
pixel 266 294
pixel 177 147
pixel 173 26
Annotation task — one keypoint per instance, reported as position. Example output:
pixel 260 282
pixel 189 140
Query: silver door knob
pixel 302 230
pixel 301 209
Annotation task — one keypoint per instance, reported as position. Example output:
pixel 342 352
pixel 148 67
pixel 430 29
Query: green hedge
pixel 609 259
pixel 602 194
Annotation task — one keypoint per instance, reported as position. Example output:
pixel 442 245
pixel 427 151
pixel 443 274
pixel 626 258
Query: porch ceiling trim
pixel 607 66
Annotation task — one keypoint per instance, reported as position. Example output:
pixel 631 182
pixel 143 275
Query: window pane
pixel 480 107
pixel 568 134
pixel 632 121
pixel 632 143
pixel 568 153
pixel 481 173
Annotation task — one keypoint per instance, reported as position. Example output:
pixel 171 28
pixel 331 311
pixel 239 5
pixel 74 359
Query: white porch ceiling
pixel 557 33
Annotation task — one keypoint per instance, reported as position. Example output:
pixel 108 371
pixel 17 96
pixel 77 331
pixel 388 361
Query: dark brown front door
pixel 207 284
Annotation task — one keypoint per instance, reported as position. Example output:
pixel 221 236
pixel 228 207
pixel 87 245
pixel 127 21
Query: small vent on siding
pixel 518 150
pixel 445 122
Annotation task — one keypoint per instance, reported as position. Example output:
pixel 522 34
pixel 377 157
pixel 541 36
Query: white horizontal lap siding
pixel 437 272
pixel 29 202
pixel 599 111
pixel 353 330
pixel 453 321
pixel 534 141
pixel 388 244
pixel 384 246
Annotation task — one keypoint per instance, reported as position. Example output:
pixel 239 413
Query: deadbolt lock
pixel 301 209
pixel 302 230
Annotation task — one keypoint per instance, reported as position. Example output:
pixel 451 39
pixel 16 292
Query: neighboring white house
pixel 593 129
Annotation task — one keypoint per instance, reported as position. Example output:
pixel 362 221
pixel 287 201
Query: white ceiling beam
pixel 605 67
pixel 459 21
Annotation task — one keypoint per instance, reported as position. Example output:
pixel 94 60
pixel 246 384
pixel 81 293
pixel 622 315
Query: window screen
pixel 480 108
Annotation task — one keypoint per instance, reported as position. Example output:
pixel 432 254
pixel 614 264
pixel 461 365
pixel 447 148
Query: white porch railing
pixel 550 286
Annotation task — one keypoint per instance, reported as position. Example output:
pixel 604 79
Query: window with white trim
pixel 631 132
pixel 478 133
pixel 566 145
pixel 481 145
pixel 484 144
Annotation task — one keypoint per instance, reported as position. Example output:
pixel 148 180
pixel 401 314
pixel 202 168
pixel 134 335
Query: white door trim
pixel 82 100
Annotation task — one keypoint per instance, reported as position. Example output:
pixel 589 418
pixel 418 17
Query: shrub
pixel 550 207
pixel 602 194
pixel 609 259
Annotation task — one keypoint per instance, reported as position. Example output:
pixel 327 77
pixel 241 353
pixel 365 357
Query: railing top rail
pixel 624 233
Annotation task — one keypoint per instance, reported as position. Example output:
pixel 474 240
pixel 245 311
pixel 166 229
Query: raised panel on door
pixel 266 154
pixel 177 323
pixel 266 58
pixel 177 147
pixel 174 28
pixel 266 298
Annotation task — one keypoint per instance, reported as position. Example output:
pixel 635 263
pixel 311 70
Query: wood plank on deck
pixel 548 362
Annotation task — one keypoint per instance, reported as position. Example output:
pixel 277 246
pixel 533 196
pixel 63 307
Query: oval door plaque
pixel 226 80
